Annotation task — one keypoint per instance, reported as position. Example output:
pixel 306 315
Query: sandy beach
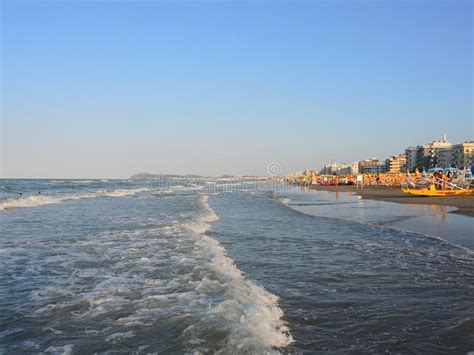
pixel 465 204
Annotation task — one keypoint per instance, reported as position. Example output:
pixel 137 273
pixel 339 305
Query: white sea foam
pixel 118 336
pixel 204 220
pixel 64 350
pixel 126 273
pixel 39 200
pixel 252 315
pixel 285 200
pixel 160 188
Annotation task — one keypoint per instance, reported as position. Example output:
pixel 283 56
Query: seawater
pixel 203 265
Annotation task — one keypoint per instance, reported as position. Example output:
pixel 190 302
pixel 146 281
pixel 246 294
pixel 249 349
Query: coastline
pixel 464 204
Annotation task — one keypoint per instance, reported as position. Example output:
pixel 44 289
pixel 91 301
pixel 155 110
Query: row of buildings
pixel 439 153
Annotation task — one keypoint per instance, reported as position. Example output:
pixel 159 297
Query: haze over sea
pixel 103 89
pixel 212 265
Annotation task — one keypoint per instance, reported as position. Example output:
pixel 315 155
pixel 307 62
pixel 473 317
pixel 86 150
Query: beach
pixel 464 204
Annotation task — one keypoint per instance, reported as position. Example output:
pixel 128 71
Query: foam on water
pixel 286 201
pixel 172 190
pixel 39 200
pixel 252 314
pixel 117 289
pixel 118 336
pixel 206 217
pixel 64 350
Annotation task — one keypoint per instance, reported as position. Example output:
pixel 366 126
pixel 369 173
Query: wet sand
pixel 465 204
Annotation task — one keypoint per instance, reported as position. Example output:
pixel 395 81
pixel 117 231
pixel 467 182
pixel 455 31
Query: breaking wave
pixel 39 200
pixel 254 318
pixel 170 279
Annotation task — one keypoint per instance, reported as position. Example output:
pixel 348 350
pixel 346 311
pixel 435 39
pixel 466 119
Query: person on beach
pixel 443 178
pixel 436 180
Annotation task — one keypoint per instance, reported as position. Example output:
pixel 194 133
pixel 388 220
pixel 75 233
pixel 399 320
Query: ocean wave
pixel 173 190
pixel 140 278
pixel 203 221
pixel 39 200
pixel 253 316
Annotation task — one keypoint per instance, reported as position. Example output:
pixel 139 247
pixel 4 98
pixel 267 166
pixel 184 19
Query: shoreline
pixel 464 204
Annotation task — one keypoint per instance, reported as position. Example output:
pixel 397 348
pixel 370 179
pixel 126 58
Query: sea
pixel 224 266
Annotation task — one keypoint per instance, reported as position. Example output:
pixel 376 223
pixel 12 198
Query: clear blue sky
pixel 108 88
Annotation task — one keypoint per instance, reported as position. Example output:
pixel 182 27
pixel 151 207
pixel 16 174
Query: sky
pixel 104 89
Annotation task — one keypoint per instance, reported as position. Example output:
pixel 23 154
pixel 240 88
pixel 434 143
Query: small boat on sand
pixel 432 192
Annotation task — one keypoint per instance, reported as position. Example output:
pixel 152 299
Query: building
pixel 434 149
pixel 462 155
pixel 336 169
pixel 371 166
pixel 396 164
pixel 375 169
pixel 445 157
pixel 411 158
pixel 347 170
pixel 355 168
pixel 426 155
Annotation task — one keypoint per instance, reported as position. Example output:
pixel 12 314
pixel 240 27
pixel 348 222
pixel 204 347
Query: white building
pixel 411 155
pixel 463 155
pixel 396 164
pixel 426 155
pixel 335 168
pixel 355 168
pixel 445 157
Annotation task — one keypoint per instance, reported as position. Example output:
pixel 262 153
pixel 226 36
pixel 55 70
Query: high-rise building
pixel 463 155
pixel 396 164
pixel 426 155
pixel 435 147
pixel 411 158
pixel 445 157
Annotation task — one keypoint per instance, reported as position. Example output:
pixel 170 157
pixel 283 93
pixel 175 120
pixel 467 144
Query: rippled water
pixel 125 266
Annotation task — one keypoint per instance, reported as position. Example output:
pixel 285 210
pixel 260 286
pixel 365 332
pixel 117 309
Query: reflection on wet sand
pixel 430 219
pixel 439 211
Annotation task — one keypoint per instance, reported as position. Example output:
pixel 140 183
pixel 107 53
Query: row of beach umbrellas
pixel 446 170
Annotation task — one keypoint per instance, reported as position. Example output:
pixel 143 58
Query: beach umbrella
pixel 452 170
